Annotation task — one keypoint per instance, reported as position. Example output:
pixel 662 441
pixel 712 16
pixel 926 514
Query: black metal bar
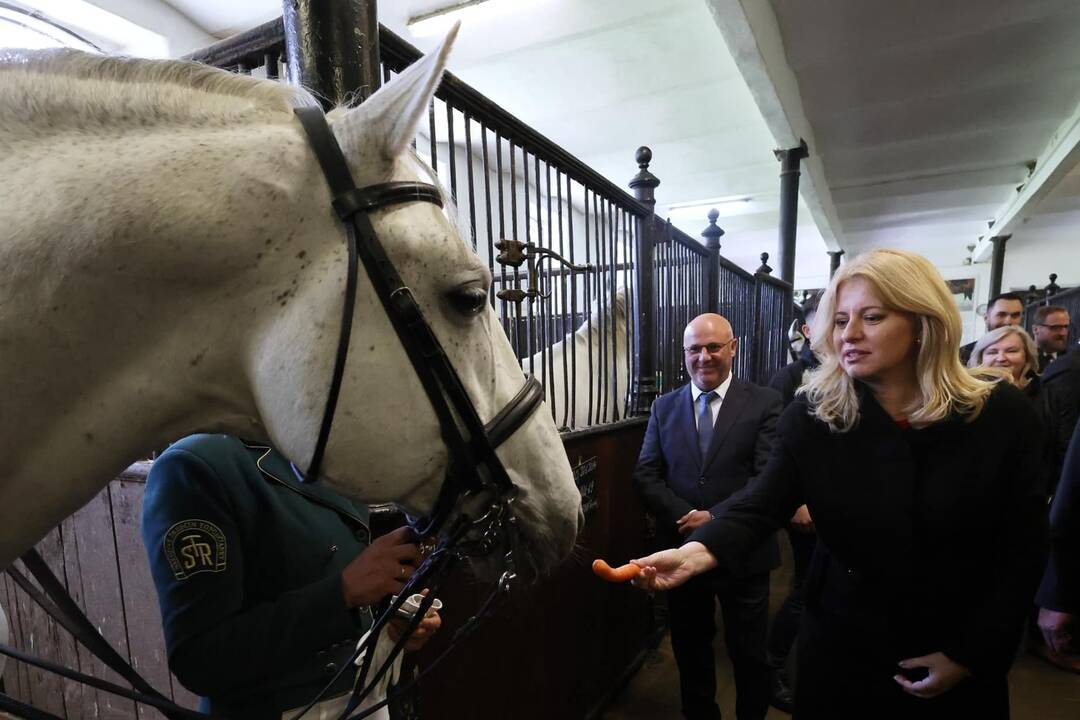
pixel 834 261
pixel 573 304
pixel 712 234
pixel 644 384
pixel 432 140
pixel 333 48
pixel 588 312
pixel 789 206
pixel 469 177
pixel 452 150
pixel 256 42
pixel 997 263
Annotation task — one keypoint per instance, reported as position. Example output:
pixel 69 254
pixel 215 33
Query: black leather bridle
pixel 474 466
pixel 475 470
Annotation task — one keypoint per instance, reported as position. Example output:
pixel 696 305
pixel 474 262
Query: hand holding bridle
pixel 382 569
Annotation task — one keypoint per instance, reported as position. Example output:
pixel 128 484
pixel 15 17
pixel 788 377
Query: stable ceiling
pixel 924 119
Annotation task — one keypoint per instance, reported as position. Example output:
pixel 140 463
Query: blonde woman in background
pixel 1011 349
pixel 931 537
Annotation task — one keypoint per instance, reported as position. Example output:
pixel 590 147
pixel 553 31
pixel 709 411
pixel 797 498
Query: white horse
pixel 596 391
pixel 170 263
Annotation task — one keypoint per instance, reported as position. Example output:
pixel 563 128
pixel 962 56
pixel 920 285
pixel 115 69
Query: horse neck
pixel 134 308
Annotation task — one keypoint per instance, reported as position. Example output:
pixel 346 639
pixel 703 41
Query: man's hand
pixel 692 521
pixel 1056 629
pixel 427 627
pixel 801 521
pixel 943 674
pixel 381 569
pixel 671 568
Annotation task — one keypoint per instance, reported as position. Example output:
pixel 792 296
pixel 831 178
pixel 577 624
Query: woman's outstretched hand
pixel 671 568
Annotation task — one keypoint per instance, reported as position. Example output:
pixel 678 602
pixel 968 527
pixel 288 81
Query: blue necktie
pixel 704 422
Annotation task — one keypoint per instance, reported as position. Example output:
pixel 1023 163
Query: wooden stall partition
pixel 97 554
pixel 562 648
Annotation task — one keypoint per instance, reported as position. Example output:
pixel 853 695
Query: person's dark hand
pixel 423 632
pixel 381 569
pixel 692 521
pixel 943 673
pixel 1056 629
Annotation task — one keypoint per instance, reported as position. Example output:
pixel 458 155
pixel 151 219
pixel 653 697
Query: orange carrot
pixel 619 574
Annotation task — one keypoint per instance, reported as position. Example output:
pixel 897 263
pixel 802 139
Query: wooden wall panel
pixel 102 597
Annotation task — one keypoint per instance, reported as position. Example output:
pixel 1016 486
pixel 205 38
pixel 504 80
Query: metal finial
pixel 712 232
pixel 765 269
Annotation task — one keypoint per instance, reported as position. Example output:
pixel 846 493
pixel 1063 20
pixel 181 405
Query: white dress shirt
pixel 715 403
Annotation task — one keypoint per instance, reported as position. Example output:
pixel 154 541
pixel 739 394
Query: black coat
pixel 787 379
pixel 1060 589
pixel 670 473
pixel 929 540
pixel 1061 391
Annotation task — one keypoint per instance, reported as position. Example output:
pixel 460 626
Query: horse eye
pixel 468 300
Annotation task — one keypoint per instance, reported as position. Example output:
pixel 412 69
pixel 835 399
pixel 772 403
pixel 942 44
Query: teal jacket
pixel 247 562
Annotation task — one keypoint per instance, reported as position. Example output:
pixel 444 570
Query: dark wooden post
pixel 643 390
pixel 712 234
pixel 332 47
pixel 834 261
pixel 997 263
pixel 790 160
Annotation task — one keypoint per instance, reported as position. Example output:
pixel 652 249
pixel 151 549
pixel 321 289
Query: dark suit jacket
pixel 928 540
pixel 674 480
pixel 1061 390
pixel 1060 588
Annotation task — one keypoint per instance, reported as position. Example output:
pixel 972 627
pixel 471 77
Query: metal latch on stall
pixel 514 253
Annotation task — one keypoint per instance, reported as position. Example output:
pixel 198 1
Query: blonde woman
pixel 917 474
pixel 1011 349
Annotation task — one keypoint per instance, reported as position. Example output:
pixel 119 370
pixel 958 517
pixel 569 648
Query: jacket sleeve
pixel 1060 589
pixel 650 477
pixel 990 628
pixel 771 406
pixel 215 644
pixel 746 519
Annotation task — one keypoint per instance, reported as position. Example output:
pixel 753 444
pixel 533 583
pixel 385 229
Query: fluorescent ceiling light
pixel 734 200
pixel 439 22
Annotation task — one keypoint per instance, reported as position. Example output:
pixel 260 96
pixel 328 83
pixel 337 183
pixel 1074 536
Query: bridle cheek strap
pixel 471 443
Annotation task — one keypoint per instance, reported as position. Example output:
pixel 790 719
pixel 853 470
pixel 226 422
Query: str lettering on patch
pixel 194 546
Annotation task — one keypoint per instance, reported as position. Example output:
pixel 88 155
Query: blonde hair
pixel 909 283
pixel 1031 355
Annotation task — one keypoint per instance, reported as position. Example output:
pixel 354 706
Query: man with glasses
pixel 704 442
pixel 1051 332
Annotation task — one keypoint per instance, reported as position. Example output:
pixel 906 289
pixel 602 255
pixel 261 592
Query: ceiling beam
pixel 1059 158
pixel 753 37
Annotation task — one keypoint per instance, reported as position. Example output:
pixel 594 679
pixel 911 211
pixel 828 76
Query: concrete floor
pixel 1038 690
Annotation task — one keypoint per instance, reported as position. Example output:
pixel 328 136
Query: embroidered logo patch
pixel 194 546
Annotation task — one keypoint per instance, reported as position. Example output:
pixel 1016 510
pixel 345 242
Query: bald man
pixel 704 442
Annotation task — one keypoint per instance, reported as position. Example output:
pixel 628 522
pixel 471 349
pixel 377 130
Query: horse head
pixel 386 443
pixel 179 268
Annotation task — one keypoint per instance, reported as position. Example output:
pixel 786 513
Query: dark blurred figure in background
pixel 800 531
pixel 1051 328
pixel 1003 309
pixel 1059 595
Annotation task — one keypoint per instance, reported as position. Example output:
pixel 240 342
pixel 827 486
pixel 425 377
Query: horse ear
pixel 381 127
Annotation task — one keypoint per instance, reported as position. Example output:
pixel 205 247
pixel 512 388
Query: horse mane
pixel 53 90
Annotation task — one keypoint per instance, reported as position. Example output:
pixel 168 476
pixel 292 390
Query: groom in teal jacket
pixel 265 583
